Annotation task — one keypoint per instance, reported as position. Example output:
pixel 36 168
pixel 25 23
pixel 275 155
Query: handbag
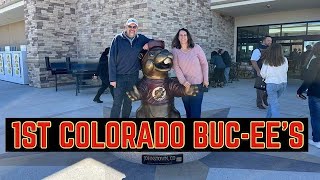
pixel 260 84
pixel 203 88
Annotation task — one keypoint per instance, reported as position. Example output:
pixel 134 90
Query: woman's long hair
pixel 273 55
pixel 176 42
pixel 104 56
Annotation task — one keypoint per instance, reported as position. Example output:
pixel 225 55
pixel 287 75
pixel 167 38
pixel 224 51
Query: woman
pixel 191 67
pixel 103 73
pixel 312 84
pixel 218 74
pixel 274 71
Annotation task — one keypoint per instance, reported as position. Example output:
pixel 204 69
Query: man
pixel 257 62
pixel 124 66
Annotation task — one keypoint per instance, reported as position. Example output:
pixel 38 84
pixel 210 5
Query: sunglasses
pixel 132 27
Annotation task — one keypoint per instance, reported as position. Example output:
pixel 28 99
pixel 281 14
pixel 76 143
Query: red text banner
pixel 207 134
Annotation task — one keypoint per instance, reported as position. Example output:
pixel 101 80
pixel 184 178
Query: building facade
pixel 292 23
pixel 83 29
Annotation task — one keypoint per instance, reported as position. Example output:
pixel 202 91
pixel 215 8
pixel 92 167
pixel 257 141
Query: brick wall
pixel 50 31
pixel 100 20
pixel 157 19
pixel 208 29
pixel 83 29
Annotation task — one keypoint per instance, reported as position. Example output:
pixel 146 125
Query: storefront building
pixel 292 23
pixel 81 30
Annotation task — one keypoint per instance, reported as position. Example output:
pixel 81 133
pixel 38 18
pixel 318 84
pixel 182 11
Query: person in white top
pixel 274 71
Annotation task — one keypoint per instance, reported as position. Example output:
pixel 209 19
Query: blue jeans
pixel 226 74
pixel 120 98
pixel 314 107
pixel 274 91
pixel 192 105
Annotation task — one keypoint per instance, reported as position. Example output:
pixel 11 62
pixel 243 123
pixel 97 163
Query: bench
pixel 83 72
pixel 56 68
pixel 59 68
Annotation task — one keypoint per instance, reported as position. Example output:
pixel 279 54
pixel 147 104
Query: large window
pixel 289 35
pixel 248 32
pixel 275 31
pixel 294 29
pixel 242 33
pixel 314 28
pixel 263 31
pixel 253 32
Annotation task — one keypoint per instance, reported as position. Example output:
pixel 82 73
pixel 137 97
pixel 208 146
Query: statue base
pixel 160 158
pixel 167 158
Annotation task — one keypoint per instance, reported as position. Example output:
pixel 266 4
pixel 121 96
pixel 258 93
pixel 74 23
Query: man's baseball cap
pixel 132 20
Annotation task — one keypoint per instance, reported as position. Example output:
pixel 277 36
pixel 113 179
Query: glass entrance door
pixel 292 50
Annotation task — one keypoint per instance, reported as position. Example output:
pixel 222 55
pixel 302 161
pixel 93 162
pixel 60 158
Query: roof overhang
pixel 238 8
pixel 11 12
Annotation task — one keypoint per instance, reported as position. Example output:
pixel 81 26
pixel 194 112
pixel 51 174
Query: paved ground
pixel 238 97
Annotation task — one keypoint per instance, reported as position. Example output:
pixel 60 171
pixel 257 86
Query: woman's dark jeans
pixel 314 106
pixel 192 104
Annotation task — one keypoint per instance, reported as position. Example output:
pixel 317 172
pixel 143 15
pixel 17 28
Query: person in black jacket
pixel 103 73
pixel 227 61
pixel 218 74
pixel 124 66
pixel 312 84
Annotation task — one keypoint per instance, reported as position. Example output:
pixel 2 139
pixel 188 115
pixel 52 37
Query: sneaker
pixel 316 144
pixel 98 101
pixel 261 107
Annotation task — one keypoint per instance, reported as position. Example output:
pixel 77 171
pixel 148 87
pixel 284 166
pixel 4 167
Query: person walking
pixel 311 83
pixel 274 70
pixel 103 73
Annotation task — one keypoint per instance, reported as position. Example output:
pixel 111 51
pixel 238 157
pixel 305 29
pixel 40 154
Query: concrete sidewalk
pixel 238 97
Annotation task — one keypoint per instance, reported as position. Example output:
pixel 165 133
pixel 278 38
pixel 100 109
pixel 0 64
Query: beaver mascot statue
pixel 156 90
